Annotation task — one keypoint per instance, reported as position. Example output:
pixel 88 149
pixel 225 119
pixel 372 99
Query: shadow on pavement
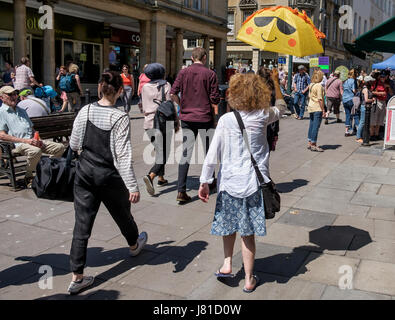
pixel 287 187
pixel 28 272
pixel 331 147
pixel 282 267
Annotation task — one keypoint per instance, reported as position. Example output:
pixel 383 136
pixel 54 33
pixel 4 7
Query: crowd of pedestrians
pixel 102 136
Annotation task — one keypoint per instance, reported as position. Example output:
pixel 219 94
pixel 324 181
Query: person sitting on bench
pixel 16 127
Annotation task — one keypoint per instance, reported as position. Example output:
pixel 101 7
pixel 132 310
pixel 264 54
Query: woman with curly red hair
pixel 240 206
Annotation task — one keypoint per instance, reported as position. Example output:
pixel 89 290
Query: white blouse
pixel 237 175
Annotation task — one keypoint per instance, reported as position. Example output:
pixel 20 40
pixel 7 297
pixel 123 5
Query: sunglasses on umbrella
pixel 283 26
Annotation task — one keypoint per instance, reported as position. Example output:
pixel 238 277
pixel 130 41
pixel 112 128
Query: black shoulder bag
pixel 271 197
pixel 165 111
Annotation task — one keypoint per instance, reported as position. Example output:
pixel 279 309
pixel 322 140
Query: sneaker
pixel 149 185
pixel 77 286
pixel 162 183
pixel 141 241
pixel 339 121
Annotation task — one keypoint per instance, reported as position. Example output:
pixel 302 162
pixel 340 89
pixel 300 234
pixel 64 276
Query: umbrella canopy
pixel 379 39
pixel 282 30
pixel 389 63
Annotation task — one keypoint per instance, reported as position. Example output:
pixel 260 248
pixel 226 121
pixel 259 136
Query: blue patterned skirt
pixel 245 216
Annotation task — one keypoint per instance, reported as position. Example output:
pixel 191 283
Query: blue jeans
pixel 302 98
pixel 347 108
pixel 361 122
pixel 315 123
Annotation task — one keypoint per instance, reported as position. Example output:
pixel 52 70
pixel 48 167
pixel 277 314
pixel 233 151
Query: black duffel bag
pixel 54 178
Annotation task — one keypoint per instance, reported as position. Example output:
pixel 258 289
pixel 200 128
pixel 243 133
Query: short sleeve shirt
pixel 333 88
pixel 22 77
pixel 15 123
pixel 348 87
pixel 316 93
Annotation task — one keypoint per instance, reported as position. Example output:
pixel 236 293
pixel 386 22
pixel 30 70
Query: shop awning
pixel 389 63
pixel 379 39
pixel 353 49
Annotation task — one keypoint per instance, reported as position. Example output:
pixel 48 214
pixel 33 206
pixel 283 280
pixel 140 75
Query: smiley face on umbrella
pixel 282 30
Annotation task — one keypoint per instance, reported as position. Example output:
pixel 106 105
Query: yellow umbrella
pixel 283 30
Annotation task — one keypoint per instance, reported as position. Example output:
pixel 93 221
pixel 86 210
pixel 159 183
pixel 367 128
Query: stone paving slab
pixel 121 291
pixel 382 250
pixel 14 270
pixel 272 287
pixel 324 268
pixel 373 200
pixel 387 190
pixel 29 289
pixel 382 213
pixel 381 179
pixel 181 216
pixel 276 260
pixel 306 218
pixel 334 293
pixel 334 207
pixel 384 229
pixel 376 277
pixel 23 240
pixel 30 211
pixel 160 238
pixel 104 260
pixel 367 187
pixel 362 225
pixel 178 276
pixel 339 183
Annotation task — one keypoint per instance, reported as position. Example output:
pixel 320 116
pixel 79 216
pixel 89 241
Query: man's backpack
pixel 68 83
pixel 165 111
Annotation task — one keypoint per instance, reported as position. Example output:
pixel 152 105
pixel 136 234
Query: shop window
pixel 231 23
pixel 246 14
pixel 192 43
pixel 87 56
pixel 121 54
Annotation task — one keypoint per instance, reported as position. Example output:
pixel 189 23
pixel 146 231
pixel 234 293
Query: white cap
pixel 369 79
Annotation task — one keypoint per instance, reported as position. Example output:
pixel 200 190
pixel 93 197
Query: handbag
pixel 165 111
pixel 54 178
pixel 271 197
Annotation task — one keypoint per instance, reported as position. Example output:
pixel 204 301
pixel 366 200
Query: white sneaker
pixel 76 287
pixel 141 241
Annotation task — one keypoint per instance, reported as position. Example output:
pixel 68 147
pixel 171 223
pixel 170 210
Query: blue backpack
pixel 68 83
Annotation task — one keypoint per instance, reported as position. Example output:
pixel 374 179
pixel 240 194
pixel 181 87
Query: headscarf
pixel 156 72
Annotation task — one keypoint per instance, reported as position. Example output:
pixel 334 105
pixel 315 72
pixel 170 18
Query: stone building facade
pixel 98 34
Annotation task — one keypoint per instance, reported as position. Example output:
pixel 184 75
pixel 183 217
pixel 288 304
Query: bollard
pixel 366 128
pixel 87 96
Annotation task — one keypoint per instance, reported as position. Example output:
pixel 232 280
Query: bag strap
pixel 39 102
pixel 254 163
pixel 330 84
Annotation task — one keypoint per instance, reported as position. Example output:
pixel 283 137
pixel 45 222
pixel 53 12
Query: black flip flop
pixel 256 285
pixel 219 274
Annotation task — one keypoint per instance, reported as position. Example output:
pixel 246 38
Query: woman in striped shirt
pixel 104 173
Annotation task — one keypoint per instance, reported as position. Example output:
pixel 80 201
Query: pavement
pixel 333 239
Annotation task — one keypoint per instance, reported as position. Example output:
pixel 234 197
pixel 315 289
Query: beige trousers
pixel 34 154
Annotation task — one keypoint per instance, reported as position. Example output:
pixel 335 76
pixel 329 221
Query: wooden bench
pixel 55 126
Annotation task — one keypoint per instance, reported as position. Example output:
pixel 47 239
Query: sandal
pixel 257 280
pixel 219 274
pixel 316 149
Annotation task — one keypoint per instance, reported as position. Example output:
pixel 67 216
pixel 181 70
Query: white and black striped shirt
pixel 120 143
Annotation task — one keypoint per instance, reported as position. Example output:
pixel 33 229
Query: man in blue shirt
pixel 16 127
pixel 301 82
